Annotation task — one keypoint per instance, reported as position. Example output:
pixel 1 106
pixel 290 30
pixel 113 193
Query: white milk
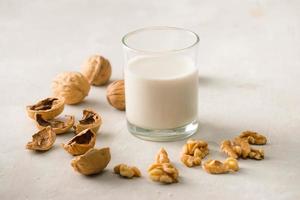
pixel 161 92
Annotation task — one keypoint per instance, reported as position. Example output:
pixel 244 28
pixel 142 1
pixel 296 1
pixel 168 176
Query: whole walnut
pixel 97 70
pixel 73 86
pixel 115 94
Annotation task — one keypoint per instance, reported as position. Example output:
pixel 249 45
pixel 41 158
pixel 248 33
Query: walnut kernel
pixel 73 86
pixel 163 172
pixel 162 156
pixel 193 152
pixel 254 137
pixel 115 94
pixel 217 167
pixel 127 171
pixel 97 70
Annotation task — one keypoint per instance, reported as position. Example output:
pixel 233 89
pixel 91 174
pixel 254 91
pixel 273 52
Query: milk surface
pixel 161 92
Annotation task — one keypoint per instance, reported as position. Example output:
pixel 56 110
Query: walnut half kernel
pixel 48 108
pixel 217 167
pixel 92 162
pixel 57 125
pixel 42 140
pixel 81 142
pixel 162 170
pixel 127 171
pixel 90 120
pixel 193 152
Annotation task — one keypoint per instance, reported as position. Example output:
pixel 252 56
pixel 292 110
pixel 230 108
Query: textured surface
pixel 249 79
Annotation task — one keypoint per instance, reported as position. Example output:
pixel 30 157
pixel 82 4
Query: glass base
pixel 165 134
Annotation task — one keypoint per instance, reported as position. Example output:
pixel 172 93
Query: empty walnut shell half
pixel 92 162
pixel 48 108
pixel 97 70
pixel 81 143
pixel 42 140
pixel 115 94
pixel 57 125
pixel 89 120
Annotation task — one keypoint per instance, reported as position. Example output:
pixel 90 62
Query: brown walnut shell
pixel 89 120
pixel 58 126
pixel 115 94
pixel 48 108
pixel 97 70
pixel 42 140
pixel 73 86
pixel 92 162
pixel 81 143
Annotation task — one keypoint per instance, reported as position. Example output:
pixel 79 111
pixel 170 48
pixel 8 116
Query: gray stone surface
pixel 249 79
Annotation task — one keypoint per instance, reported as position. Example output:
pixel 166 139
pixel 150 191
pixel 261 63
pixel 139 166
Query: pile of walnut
pixel 72 88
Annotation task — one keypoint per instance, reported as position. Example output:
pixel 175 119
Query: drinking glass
pixel 161 83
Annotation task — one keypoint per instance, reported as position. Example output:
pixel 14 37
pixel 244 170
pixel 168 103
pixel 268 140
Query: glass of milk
pixel 161 83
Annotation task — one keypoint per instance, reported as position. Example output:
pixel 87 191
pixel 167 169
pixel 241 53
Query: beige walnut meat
pixel 81 143
pixel 254 137
pixel 218 167
pixel 127 171
pixel 193 152
pixel 162 170
pixel 240 147
pixel 59 126
pixel 115 94
pixel 90 119
pixel 48 108
pixel 73 86
pixel 97 70
pixel 42 140
pixel 92 162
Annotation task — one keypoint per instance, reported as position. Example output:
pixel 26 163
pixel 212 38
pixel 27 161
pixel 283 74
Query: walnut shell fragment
pixel 115 94
pixel 81 142
pixel 127 171
pixel 48 108
pixel 42 140
pixel 254 137
pixel 73 86
pixel 92 162
pixel 57 125
pixel 89 120
pixel 97 70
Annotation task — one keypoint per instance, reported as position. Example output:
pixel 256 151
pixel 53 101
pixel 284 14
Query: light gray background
pixel 249 63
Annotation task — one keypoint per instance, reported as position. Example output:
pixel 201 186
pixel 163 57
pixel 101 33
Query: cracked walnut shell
pixel 193 152
pixel 89 120
pixel 92 162
pixel 127 171
pixel 97 70
pixel 81 142
pixel 57 125
pixel 115 94
pixel 48 108
pixel 42 140
pixel 73 86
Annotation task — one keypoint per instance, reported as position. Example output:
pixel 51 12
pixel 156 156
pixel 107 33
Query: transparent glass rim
pixel 197 39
